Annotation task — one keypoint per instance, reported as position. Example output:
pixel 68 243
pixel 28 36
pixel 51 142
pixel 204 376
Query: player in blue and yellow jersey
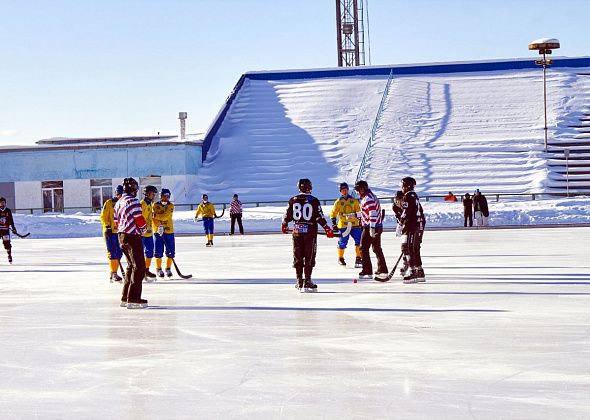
pixel 149 192
pixel 207 210
pixel 109 230
pixel 164 232
pixel 346 209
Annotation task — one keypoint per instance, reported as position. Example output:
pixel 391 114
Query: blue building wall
pixel 105 162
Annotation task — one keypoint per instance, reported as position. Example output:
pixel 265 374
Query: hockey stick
pixel 187 276
pixel 121 268
pixel 21 236
pixel 392 272
pixel 216 216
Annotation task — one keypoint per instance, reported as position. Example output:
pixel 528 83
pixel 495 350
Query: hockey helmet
pixel 304 185
pixel 361 186
pixel 343 185
pixel 149 189
pixel 130 185
pixel 165 191
pixel 2 200
pixel 119 190
pixel 408 182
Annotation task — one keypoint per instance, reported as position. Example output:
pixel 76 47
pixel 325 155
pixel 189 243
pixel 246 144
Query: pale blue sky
pixel 120 67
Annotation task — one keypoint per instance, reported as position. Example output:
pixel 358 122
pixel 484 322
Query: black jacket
pixel 480 203
pixel 467 205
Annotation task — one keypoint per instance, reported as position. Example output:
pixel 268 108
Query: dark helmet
pixel 204 196
pixel 399 195
pixel 119 190
pixel 304 185
pixel 2 199
pixel 130 185
pixel 149 189
pixel 408 182
pixel 343 185
pixel 361 186
pixel 165 191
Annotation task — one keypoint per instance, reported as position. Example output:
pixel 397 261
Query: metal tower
pixel 351 32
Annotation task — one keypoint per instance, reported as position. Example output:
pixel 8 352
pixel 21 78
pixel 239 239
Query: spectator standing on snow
pixel 467 210
pixel 235 214
pixel 480 207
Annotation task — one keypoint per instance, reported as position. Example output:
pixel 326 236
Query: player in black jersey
pixel 6 223
pixel 306 212
pixel 412 223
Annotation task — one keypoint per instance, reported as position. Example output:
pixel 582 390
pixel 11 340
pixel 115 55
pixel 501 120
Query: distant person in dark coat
pixel 480 207
pixel 467 210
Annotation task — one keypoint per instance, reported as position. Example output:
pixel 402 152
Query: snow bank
pixel 268 219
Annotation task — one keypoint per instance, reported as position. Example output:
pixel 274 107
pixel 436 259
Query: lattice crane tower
pixel 350 26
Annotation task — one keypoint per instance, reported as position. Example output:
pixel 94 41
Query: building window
pixel 102 190
pixel 53 196
pixel 154 180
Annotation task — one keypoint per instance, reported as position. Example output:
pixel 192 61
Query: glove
pixel 285 228
pixel 335 227
pixel 372 232
pixel 14 230
pixel 161 230
pixel 329 232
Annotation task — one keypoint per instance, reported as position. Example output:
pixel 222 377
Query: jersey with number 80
pixel 306 212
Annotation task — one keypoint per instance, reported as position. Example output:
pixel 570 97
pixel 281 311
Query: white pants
pixel 480 219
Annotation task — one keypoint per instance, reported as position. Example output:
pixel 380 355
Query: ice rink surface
pixel 501 329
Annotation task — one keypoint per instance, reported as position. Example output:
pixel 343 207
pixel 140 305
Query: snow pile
pixel 268 219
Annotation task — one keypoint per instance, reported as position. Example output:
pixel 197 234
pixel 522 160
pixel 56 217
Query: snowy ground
pixel 268 219
pixel 500 330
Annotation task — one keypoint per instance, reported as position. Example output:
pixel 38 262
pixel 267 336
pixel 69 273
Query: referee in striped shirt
pixel 372 222
pixel 131 225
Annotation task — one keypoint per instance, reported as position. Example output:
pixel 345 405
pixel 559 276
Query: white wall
pixel 180 187
pixel 27 194
pixel 77 193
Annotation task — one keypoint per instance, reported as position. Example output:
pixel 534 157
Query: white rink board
pixel 500 330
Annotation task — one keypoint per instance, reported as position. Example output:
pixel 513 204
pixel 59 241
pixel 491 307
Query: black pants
pixel 411 249
pixel 132 247
pixel 366 243
pixel 304 250
pixel 233 218
pixel 468 215
pixel 5 234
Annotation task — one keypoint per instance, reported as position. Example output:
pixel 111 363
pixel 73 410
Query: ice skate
pixel 160 273
pixel 309 286
pixel 404 269
pixel 365 276
pixel 137 304
pixel 209 244
pixel 410 277
pixel 358 263
pixel 341 261
pixel 115 278
pixel 381 276
pixel 168 273
pixel 149 274
pixel 299 284
pixel 10 258
pixel 420 275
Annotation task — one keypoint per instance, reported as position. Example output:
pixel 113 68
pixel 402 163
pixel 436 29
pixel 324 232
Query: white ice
pixel 500 330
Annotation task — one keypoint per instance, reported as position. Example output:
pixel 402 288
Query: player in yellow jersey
pixel 164 232
pixel 207 210
pixel 109 230
pixel 149 193
pixel 346 209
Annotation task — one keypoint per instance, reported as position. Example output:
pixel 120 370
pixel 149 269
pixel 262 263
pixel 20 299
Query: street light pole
pixel 544 46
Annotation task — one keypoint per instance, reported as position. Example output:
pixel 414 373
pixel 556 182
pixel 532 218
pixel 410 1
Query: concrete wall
pixel 77 193
pixel 28 195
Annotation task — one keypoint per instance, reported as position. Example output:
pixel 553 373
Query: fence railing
pixel 327 201
pixel 374 128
